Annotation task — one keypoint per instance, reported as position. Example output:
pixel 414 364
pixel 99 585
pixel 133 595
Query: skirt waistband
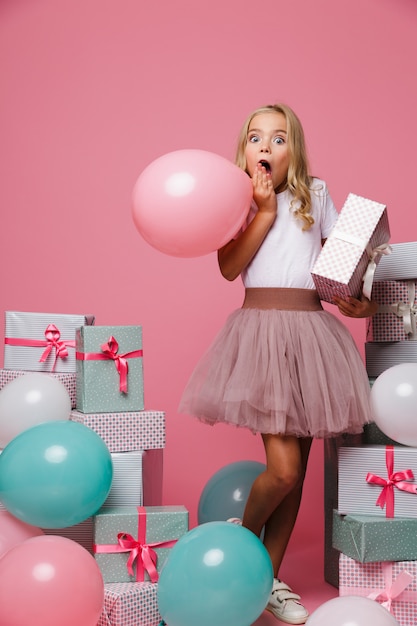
pixel 282 298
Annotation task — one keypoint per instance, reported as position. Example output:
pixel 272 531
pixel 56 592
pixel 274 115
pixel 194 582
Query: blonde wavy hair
pixel 298 178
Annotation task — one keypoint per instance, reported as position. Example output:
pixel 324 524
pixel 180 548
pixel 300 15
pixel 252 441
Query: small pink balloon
pixel 13 532
pixel 351 611
pixel 189 203
pixel 50 580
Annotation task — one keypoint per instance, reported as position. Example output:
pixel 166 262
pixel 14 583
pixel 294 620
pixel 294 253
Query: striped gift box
pixel 29 338
pixel 355 244
pixel 392 584
pixel 358 496
pixel 130 604
pixel 401 264
pixel 381 355
pixel 396 316
pixel 121 432
pixel 68 380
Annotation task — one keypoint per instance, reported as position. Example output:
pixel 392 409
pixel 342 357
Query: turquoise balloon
pixel 218 574
pixel 55 474
pixel 227 491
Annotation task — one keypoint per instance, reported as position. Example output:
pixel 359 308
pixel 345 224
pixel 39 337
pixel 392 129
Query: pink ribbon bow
pixel 140 551
pixel 392 588
pixel 110 351
pixel 51 342
pixel 395 479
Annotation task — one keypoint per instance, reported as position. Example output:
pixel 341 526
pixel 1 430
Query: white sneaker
pixel 235 520
pixel 285 605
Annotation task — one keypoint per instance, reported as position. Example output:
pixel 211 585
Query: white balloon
pixel 394 403
pixel 29 400
pixel 351 611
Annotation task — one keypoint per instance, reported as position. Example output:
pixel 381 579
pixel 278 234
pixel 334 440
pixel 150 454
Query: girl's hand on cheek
pixel 263 190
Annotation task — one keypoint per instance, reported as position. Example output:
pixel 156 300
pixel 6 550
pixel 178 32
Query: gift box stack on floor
pixel 375 523
pixel 132 533
pixel 345 267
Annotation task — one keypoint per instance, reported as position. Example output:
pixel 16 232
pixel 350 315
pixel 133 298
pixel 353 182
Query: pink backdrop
pixel 93 90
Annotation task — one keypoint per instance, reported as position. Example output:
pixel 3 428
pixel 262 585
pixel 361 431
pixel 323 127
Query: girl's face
pixel 267 144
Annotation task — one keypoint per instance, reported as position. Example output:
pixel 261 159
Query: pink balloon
pixel 13 531
pixel 351 611
pixel 50 581
pixel 190 202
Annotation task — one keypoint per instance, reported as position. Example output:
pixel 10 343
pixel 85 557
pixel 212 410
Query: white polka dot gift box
pixel 130 604
pixel 122 432
pixel 392 584
pixel 109 366
pixel 401 264
pixel 347 262
pixel 395 319
pixel 41 342
pixel 378 480
pixel 131 544
pixel 369 538
pixel 68 380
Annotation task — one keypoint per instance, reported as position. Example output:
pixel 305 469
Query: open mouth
pixel 266 165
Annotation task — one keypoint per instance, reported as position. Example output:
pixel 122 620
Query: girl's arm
pixel 238 253
pixel 352 307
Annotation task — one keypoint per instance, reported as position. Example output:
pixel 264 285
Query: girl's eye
pixel 278 140
pixel 253 138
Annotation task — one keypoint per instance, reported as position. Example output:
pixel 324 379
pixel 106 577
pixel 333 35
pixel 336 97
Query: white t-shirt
pixel 287 254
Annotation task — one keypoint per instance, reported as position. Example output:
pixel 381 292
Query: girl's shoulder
pixel 318 187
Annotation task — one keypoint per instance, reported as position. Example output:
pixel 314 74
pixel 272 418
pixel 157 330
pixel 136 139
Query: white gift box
pixel 41 342
pixel 381 355
pixel 348 259
pixel 401 264
pixel 369 485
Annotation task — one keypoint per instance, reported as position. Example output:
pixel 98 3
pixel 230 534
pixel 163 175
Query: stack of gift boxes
pixel 102 369
pixel 370 524
pixel 375 524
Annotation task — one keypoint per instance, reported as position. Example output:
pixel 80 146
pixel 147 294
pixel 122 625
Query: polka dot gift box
pixel 369 538
pixel 109 369
pixel 124 537
pixel 392 584
pixel 348 259
pixel 130 604
pixel 397 312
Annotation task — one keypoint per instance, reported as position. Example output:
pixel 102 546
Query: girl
pixel 281 366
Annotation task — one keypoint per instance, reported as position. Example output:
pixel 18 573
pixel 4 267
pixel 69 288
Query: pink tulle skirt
pixel 294 371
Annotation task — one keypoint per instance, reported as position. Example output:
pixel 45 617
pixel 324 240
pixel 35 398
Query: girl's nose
pixel 265 147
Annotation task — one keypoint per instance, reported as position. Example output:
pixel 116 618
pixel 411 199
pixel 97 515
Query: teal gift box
pixel 131 544
pixel 109 369
pixel 370 538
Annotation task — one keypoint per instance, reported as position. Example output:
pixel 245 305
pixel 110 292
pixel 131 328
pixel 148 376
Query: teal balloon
pixel 218 574
pixel 227 491
pixel 55 474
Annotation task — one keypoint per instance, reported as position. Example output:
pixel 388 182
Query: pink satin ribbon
pixel 51 342
pixel 143 553
pixel 109 351
pixel 395 479
pixel 393 590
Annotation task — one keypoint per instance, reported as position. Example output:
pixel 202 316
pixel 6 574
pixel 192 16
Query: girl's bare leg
pixel 275 496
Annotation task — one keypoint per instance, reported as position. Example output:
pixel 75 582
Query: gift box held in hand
pixel 397 312
pixel 131 544
pixel 109 369
pixel 394 585
pixel 41 342
pixel 378 480
pixel 347 262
